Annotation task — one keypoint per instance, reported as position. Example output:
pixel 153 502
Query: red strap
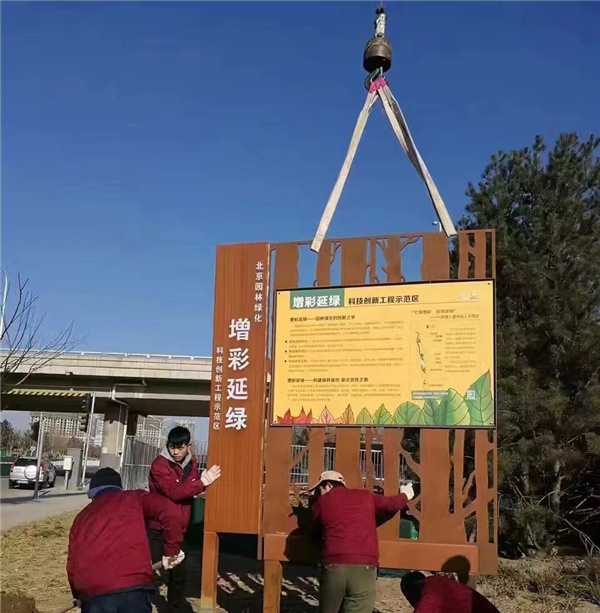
pixel 377 84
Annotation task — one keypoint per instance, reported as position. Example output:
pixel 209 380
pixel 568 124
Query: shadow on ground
pixel 240 587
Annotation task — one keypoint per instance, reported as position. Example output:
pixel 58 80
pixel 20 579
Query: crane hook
pixel 378 52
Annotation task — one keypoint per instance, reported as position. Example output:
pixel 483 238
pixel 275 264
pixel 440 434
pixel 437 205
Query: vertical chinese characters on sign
pixel 217 393
pixel 259 292
pixel 237 385
pixel 235 393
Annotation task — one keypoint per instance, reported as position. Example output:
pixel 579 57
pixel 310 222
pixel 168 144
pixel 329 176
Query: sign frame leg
pixel 210 566
pixel 273 575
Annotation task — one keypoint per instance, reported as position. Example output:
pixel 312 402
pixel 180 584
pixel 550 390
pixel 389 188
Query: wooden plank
pixel 435 265
pixel 463 255
pixel 492 234
pixel 316 454
pixel 276 507
pixel 347 455
pixel 272 587
pixel 480 253
pixel 391 465
pixel 369 468
pixel 234 503
pixel 324 259
pixel 437 524
pixel 354 261
pixel 403 554
pixel 210 564
pixel 285 274
pixel 277 513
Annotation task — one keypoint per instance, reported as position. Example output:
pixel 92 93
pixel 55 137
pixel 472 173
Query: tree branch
pixel 468 483
pixel 25 350
pixel 414 466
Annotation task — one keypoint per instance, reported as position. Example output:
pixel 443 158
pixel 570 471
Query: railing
pixel 299 473
pixel 117 354
pixel 139 455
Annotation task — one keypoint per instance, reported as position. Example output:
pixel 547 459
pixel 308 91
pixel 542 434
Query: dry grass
pixel 34 559
pixel 545 585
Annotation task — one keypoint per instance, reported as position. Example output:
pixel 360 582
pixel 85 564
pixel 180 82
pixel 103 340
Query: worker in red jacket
pixel 109 566
pixel 175 475
pixel 346 520
pixel 443 595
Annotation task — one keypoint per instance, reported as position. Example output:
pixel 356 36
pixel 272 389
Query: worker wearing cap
pixel 437 594
pixel 346 521
pixel 109 565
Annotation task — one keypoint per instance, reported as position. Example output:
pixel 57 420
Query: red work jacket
pixel 444 595
pixel 347 521
pixel 108 544
pixel 178 482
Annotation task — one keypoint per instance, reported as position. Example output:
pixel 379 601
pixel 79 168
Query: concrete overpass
pixel 125 385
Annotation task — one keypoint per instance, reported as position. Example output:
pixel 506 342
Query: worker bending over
pixel 443 595
pixel 346 521
pixel 174 474
pixel 109 566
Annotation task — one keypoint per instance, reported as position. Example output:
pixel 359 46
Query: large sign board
pixel 412 354
pixel 238 388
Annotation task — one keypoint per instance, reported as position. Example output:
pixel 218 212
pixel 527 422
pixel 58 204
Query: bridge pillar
pixel 113 437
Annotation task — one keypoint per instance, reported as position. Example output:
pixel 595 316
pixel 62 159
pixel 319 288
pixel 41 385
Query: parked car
pixel 23 471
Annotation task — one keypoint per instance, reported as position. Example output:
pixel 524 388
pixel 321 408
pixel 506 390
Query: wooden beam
pixel 402 554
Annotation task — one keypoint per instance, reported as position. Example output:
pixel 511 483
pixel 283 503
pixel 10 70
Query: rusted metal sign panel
pixel 238 388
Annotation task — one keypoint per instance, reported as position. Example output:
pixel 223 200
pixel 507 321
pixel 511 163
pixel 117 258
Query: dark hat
pixel 105 478
pixel 411 586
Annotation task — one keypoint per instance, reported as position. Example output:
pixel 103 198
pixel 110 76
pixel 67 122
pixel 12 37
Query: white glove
pixel 211 475
pixel 407 490
pixel 171 562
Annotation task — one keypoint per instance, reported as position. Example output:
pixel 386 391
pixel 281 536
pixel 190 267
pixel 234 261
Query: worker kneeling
pixel 443 595
pixel 109 565
pixel 346 521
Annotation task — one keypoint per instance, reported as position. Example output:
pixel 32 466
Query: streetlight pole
pixel 4 296
pixel 87 439
pixel 40 444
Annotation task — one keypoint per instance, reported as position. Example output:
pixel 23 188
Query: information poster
pixel 419 354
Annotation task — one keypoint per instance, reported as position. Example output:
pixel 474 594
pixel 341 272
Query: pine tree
pixel 544 206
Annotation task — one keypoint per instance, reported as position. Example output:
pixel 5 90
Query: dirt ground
pixel 33 559
pixel 9 603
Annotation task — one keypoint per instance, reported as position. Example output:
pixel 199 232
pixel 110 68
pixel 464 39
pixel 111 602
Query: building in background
pixel 67 424
pixel 150 430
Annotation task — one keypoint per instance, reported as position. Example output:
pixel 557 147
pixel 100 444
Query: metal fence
pixel 299 473
pixel 139 455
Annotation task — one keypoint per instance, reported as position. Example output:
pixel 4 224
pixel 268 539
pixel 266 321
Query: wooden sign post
pixel 238 391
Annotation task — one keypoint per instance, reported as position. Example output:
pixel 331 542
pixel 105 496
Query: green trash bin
pixel 197 511
pixel 194 536
pixel 408 530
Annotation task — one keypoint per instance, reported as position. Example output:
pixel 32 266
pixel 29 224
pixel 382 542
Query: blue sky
pixel 138 136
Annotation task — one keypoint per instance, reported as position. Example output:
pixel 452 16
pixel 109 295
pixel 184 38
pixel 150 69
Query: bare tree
pixel 25 347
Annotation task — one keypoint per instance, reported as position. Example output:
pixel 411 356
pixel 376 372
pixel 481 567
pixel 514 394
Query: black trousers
pixel 177 577
pixel 139 601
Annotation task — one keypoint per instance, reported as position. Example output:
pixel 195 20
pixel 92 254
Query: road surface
pixel 17 506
